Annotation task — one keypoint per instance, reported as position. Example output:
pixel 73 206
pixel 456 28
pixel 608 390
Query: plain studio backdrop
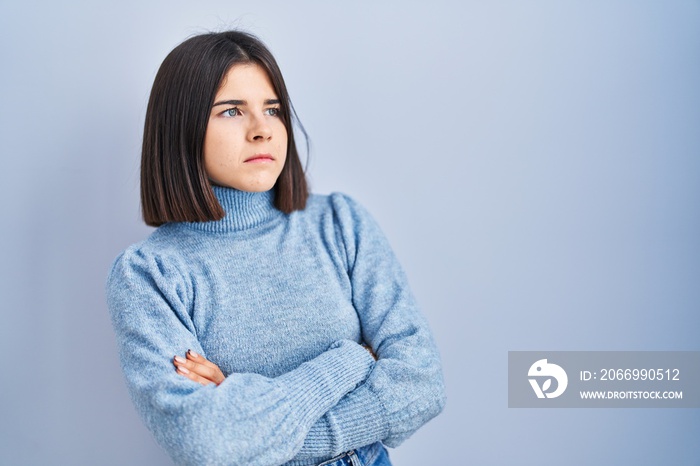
pixel 535 165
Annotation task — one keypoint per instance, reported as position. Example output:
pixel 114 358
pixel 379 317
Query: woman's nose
pixel 259 129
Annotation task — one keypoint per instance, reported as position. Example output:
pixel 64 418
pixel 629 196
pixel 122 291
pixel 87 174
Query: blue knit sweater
pixel 281 304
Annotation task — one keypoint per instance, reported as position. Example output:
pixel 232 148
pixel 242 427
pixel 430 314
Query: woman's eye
pixel 231 112
pixel 273 111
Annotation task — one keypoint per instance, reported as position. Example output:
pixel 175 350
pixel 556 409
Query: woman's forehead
pixel 246 79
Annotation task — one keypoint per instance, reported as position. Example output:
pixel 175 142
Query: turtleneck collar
pixel 243 209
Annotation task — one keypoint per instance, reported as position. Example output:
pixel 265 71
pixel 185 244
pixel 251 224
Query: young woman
pixel 259 325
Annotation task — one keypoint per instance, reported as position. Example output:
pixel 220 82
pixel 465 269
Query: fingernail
pixel 192 353
pixel 183 369
pixel 180 359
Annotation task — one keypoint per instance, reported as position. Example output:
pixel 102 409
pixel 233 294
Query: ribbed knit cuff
pixel 319 441
pixel 358 420
pixel 317 385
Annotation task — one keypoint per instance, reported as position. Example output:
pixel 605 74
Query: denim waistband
pixel 359 457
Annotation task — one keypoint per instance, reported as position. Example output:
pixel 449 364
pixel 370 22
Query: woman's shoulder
pixel 159 251
pixel 341 205
pixel 349 218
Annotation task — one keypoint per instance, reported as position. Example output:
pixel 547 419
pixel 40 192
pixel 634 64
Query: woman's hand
pixel 198 369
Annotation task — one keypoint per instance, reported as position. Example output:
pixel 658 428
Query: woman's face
pixel 245 144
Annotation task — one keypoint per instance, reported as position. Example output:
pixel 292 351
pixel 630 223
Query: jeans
pixel 370 455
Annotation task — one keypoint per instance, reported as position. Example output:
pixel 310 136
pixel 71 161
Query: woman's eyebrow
pixel 244 102
pixel 230 102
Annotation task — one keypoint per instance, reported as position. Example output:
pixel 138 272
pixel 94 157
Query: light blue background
pixel 535 164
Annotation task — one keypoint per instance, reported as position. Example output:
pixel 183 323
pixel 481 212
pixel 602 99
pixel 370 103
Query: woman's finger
pixel 194 367
pixel 216 375
pixel 198 358
pixel 209 372
pixel 182 370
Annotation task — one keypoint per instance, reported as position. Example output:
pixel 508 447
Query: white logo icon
pixel 542 368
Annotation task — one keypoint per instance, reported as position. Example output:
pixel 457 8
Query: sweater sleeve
pixel 405 389
pixel 248 419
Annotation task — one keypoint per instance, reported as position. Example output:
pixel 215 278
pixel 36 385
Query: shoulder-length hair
pixel 174 184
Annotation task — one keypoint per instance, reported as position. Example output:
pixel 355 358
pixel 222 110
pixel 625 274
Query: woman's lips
pixel 259 158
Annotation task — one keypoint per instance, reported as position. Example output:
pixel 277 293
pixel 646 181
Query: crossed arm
pixel 199 369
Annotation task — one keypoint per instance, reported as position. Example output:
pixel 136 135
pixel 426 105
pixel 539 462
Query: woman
pixel 259 325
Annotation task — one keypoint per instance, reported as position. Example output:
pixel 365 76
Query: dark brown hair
pixel 174 184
